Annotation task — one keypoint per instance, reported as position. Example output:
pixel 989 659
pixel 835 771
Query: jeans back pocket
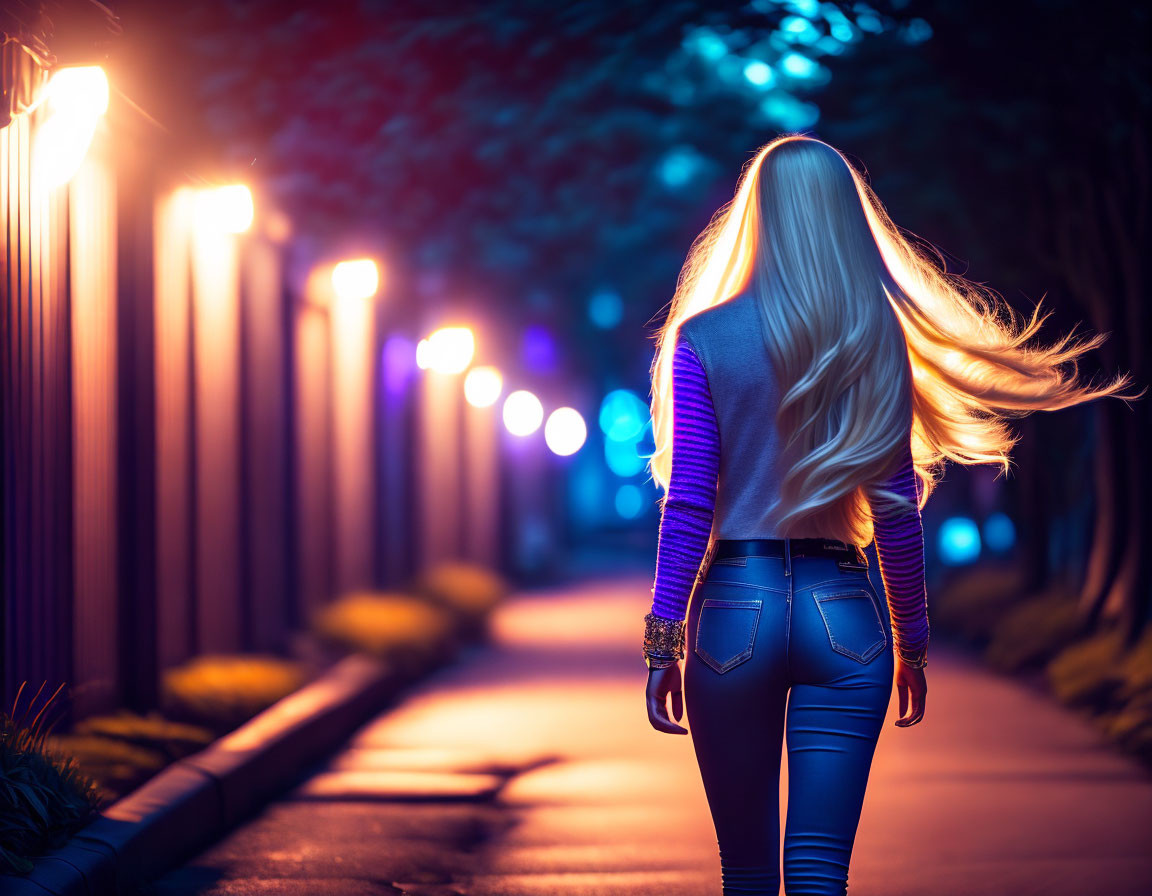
pixel 852 620
pixel 726 631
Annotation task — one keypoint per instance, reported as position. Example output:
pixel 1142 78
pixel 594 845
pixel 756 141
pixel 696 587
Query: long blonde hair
pixel 869 336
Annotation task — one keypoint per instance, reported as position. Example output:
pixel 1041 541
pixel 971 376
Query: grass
pixel 110 755
pixel 44 796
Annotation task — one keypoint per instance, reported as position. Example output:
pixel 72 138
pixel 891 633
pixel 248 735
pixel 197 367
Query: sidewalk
pixel 530 768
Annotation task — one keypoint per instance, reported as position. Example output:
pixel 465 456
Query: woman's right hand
pixel 912 688
pixel 663 683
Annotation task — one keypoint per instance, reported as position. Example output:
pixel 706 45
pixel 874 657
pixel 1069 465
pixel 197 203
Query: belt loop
pixel 787 556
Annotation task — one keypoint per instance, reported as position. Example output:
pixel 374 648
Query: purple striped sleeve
pixel 900 550
pixel 686 520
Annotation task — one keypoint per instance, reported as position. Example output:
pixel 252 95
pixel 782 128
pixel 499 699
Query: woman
pixel 816 369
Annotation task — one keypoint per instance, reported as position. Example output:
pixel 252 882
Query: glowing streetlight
pixel 565 431
pixel 482 386
pixel 228 209
pixel 356 279
pixel 448 350
pixel 523 413
pixel 76 98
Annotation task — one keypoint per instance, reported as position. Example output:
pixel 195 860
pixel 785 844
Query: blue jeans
pixel 763 632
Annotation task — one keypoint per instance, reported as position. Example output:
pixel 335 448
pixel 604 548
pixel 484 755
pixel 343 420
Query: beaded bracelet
pixel 663 641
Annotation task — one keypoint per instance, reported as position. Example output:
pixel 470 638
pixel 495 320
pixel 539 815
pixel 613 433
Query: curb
pixel 189 804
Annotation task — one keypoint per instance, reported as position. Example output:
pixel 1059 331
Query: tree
pixel 1039 121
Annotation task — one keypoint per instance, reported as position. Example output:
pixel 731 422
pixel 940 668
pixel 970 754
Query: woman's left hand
pixel 661 683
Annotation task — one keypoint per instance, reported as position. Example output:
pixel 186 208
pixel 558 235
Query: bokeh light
pixel 789 113
pixel 999 532
pixel 448 350
pixel 482 386
pixel 356 279
pixel 797 65
pixel 623 415
pixel 538 349
pixel 565 432
pixel 759 74
pixel 523 413
pixel 77 97
pixel 606 309
pixel 228 209
pixel 797 29
pixel 958 541
pixel 623 458
pixel 679 166
pixel 397 364
pixel 629 501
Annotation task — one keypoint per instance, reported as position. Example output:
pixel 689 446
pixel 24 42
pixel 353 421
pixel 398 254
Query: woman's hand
pixel 661 683
pixel 912 688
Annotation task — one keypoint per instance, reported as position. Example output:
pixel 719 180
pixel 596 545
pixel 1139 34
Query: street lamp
pixel 226 209
pixel 356 279
pixel 77 97
pixel 448 350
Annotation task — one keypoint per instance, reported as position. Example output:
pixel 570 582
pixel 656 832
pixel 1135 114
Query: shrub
pixel 1137 668
pixel 1088 672
pixel 469 589
pixel 1033 632
pixel 973 605
pixel 224 691
pixel 401 627
pixel 44 798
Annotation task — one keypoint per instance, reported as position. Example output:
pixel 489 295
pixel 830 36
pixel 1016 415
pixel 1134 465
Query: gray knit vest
pixel 728 339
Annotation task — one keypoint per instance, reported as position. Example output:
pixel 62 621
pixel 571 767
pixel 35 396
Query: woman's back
pixel 727 340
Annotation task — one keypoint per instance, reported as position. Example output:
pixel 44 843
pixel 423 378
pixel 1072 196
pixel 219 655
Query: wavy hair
pixel 871 339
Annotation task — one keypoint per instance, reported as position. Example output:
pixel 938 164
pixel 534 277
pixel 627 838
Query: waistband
pixel 848 556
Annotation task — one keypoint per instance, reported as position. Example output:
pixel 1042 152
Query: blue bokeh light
pixel 629 501
pixel 999 532
pixel 869 21
pixel 804 71
pixel 606 308
pixel 759 74
pixel 917 31
pixel 623 458
pixel 797 29
pixel 623 416
pixel 706 43
pixel 679 166
pixel 789 113
pixel 588 493
pixel 958 541
pixel 809 8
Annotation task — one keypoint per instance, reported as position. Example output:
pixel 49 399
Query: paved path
pixel 530 768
